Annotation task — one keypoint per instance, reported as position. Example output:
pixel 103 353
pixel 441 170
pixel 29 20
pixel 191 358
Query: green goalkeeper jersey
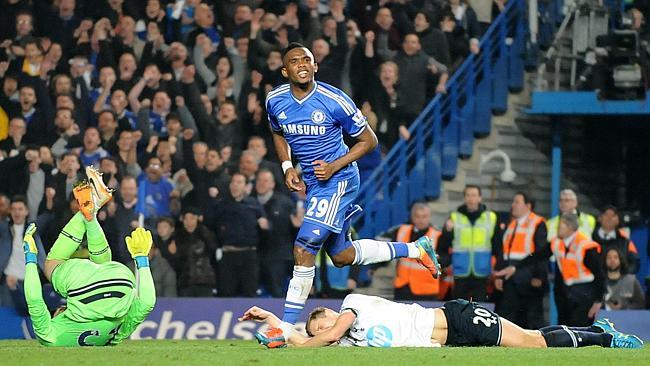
pixel 104 304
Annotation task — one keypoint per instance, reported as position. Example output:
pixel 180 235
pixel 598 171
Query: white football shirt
pixel 384 323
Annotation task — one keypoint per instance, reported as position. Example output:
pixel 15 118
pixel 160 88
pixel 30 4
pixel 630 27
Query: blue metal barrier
pixel 445 129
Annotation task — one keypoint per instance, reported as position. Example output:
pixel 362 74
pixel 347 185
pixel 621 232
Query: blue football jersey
pixel 314 126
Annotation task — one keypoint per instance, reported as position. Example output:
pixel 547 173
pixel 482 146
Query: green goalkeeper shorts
pixel 94 291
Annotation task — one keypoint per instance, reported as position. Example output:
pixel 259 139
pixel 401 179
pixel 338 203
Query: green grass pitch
pixel 216 353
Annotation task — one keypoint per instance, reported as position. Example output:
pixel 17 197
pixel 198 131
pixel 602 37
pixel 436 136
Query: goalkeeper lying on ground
pixel 370 321
pixel 104 303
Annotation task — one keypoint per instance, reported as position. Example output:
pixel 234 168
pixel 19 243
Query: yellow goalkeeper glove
pixel 29 245
pixel 139 245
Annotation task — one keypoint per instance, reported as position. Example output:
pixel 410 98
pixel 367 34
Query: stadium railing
pixel 445 130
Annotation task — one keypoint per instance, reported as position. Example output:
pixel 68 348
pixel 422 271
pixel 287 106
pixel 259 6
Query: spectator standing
pixel 569 204
pixel 237 220
pixel 433 40
pixel 157 191
pixel 413 281
pixel 276 243
pixel 523 293
pixel 196 246
pixel 166 243
pixel 580 284
pixel 121 218
pixel 472 237
pixel 610 235
pixel 12 261
pixel 418 70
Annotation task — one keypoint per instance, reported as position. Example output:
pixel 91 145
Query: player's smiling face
pixel 299 66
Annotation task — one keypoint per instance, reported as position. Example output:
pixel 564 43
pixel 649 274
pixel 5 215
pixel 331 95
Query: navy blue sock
pixel 550 328
pixel 565 337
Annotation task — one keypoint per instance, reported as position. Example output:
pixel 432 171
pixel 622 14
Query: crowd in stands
pixel 168 100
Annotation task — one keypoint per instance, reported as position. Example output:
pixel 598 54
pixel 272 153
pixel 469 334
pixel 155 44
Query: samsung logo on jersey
pixel 303 129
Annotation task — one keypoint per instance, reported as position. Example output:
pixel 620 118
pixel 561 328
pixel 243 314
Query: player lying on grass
pixel 376 322
pixel 104 304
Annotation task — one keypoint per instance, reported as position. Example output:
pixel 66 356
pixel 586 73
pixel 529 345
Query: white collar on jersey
pixel 300 101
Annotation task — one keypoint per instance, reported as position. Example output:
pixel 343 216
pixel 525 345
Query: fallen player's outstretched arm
pixel 139 244
pixel 260 315
pixel 330 336
pixel 38 312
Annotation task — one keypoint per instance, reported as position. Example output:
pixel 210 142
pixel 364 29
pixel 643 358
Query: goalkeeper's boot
pixel 428 256
pixel 605 325
pixel 622 340
pixel 272 338
pixel 102 194
pixel 84 196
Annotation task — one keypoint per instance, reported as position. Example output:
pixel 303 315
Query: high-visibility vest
pixel 586 222
pixel 518 240
pixel 472 246
pixel 571 260
pixel 410 272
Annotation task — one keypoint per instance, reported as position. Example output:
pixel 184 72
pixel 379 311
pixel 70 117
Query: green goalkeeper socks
pixel 69 239
pixel 98 247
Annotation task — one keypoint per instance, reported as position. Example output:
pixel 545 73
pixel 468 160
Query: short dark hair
pixel 109 112
pixel 19 198
pixel 65 95
pixel 172 116
pixel 290 47
pixel 168 220
pixel 612 208
pixel 34 41
pixel 470 186
pixel 24 12
pixel 65 109
pixel 152 158
pixel 231 102
pixel 317 313
pixel 448 15
pixel 527 199
pixel 69 153
pixel 192 210
pixel 239 173
pixel 93 128
pixel 427 15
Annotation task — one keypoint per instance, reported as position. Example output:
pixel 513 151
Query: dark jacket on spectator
pixel 277 243
pixel 331 67
pixel 197 253
pixel 118 227
pixel 458 47
pixel 414 72
pixel 434 43
pixel 235 222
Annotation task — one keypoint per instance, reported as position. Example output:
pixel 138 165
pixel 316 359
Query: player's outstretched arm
pixel 139 244
pixel 260 315
pixel 38 312
pixel 332 335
